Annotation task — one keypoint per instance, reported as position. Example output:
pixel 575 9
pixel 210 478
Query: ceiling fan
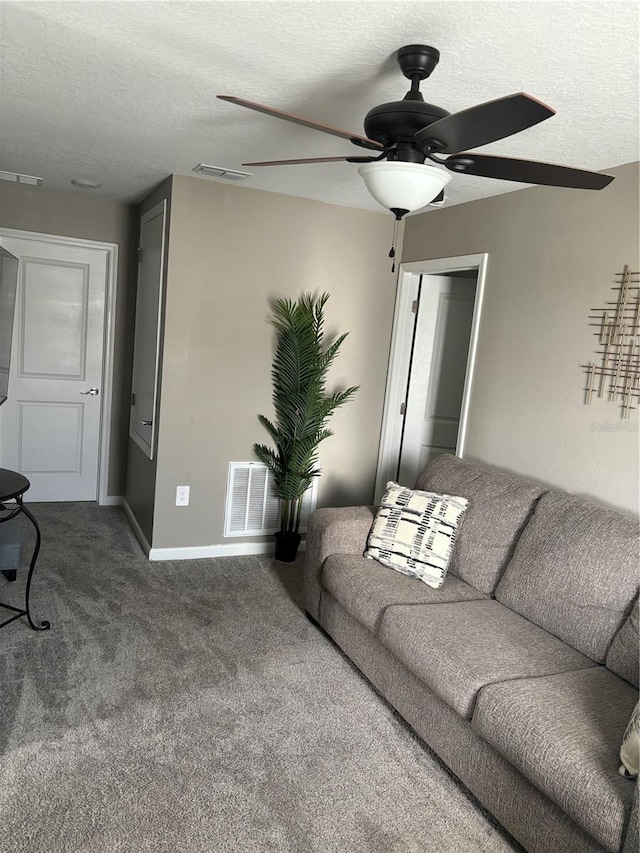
pixel 403 134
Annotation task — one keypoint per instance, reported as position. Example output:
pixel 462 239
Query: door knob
pixel 146 423
pixel 92 392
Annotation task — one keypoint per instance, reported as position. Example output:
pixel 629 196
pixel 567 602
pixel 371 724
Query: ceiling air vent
pixel 220 172
pixel 252 503
pixel 15 178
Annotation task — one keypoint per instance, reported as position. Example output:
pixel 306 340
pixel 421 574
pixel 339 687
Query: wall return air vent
pixel 220 172
pixel 252 503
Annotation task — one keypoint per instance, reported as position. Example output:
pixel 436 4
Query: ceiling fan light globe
pixel 404 186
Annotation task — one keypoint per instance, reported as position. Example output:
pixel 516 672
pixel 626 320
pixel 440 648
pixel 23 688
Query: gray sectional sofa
pixel 521 671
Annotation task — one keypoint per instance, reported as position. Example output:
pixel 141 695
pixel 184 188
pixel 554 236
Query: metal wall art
pixel 616 375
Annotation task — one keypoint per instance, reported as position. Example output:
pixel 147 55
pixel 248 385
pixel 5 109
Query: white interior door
pixel 437 373
pixel 148 332
pixel 50 423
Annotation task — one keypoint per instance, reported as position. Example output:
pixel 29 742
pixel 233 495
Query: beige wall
pixel 72 214
pixel 552 257
pixel 232 250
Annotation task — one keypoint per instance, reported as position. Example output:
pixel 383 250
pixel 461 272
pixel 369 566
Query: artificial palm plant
pixel 302 405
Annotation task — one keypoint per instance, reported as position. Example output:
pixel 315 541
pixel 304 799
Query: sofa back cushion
pixel 499 507
pixel 622 657
pixel 574 572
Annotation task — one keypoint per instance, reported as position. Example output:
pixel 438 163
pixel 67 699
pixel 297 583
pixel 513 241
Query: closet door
pixel 148 331
pixel 438 372
pixel 51 422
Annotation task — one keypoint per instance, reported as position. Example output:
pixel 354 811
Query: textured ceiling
pixel 123 93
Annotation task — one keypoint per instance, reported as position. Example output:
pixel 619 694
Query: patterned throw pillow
pixel 413 532
pixel 630 749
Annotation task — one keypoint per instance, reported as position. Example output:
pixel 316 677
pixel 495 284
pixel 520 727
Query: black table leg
pixel 44 625
pixel 12 487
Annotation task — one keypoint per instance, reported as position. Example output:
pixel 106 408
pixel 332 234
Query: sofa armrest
pixel 631 837
pixel 333 530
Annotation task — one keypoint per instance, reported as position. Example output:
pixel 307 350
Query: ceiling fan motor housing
pixel 399 121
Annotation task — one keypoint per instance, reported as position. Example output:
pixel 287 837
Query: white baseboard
pixel 142 539
pixel 200 552
pixel 112 500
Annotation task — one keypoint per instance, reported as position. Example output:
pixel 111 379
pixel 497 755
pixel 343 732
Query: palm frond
pixel 301 403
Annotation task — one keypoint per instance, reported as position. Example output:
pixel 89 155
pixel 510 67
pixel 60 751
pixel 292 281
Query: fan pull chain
pixel 392 250
pixel 398 213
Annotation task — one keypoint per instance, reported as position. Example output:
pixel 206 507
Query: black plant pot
pixel 287 544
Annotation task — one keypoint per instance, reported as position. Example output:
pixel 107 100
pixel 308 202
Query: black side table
pixel 12 488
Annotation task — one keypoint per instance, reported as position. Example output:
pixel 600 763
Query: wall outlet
pixel 182 496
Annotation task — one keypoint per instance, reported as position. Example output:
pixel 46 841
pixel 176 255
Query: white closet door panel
pixel 51 438
pixel 55 298
pixel 50 425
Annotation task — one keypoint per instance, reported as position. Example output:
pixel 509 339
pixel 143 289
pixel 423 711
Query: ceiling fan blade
pixel 527 171
pixel 356 138
pixel 312 160
pixel 482 124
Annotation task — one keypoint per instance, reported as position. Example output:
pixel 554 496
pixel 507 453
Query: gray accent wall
pixel 233 250
pixel 87 217
pixel 553 254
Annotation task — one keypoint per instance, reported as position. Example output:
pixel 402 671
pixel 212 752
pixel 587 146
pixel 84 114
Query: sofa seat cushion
pixel 500 505
pixel 365 588
pixel 456 649
pixel 563 733
pixel 574 572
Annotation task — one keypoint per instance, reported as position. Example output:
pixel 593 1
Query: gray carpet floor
pixel 191 706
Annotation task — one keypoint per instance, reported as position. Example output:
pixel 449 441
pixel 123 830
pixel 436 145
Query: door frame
pixel 111 252
pixel 404 321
